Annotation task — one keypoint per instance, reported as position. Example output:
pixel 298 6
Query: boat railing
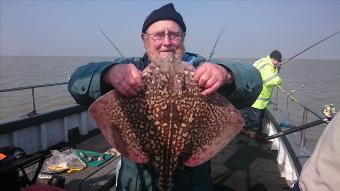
pixel 306 110
pixel 40 130
pixel 33 87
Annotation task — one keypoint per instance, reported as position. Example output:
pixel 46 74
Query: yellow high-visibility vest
pixel 270 78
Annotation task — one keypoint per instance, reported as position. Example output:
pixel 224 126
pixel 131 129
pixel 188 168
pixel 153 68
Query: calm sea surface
pixel 320 78
pixel 19 71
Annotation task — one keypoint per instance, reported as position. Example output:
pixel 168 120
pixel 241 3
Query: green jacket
pixel 86 85
pixel 270 78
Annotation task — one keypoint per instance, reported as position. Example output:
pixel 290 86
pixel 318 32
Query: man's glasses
pixel 159 36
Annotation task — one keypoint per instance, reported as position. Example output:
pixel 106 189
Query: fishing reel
pixel 329 111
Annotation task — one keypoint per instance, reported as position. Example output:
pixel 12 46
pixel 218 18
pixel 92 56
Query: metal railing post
pixel 303 132
pixel 34 112
pixel 276 100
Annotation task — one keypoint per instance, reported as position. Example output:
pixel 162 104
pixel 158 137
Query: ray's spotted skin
pixel 169 124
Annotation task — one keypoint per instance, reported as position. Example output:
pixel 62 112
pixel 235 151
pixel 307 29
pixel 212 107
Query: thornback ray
pixel 169 123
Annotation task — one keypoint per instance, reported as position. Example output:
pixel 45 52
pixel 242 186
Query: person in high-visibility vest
pixel 269 69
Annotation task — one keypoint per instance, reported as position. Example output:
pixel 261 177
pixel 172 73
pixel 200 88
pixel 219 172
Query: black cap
pixel 276 55
pixel 166 12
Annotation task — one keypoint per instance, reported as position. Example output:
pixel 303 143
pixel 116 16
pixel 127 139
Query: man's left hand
pixel 211 77
pixel 278 66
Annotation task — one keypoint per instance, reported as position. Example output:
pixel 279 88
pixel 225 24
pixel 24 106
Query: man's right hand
pixel 125 78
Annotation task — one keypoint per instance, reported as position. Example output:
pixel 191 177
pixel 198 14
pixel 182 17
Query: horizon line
pixel 102 56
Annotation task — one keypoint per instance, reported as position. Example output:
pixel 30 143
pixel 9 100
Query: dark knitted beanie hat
pixel 276 55
pixel 166 12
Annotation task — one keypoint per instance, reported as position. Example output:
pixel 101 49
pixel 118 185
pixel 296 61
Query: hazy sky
pixel 251 28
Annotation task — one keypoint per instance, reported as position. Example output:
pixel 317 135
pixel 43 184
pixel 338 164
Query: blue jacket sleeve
pixel 247 85
pixel 85 83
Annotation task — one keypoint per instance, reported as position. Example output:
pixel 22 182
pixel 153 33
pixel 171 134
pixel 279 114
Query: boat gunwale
pixel 38 119
pixel 285 141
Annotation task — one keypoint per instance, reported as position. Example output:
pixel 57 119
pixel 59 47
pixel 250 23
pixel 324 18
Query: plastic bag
pixel 60 162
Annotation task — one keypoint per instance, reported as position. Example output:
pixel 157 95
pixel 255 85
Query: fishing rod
pixel 328 112
pixel 289 94
pixel 213 49
pixel 108 38
pixel 311 46
pixel 295 129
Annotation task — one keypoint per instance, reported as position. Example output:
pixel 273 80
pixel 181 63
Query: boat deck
pixel 244 164
pixel 247 164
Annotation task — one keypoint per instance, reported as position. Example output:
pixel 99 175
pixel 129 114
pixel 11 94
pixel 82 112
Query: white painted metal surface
pixel 40 137
pixel 286 164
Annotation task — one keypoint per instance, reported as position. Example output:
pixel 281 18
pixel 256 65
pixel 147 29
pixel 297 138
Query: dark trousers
pixel 139 177
pixel 295 187
pixel 253 119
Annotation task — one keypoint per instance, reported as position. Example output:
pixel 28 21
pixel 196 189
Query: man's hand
pixel 211 77
pixel 125 78
pixel 278 66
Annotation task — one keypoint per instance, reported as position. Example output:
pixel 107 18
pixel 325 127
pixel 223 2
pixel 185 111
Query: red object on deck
pixel 2 156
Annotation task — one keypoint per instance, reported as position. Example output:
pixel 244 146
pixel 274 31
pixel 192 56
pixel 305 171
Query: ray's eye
pixel 161 86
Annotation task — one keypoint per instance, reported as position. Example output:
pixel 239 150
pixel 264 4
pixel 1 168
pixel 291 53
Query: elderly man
pixel 163 33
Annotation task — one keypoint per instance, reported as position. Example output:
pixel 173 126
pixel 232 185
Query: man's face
pixel 164 38
pixel 275 61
